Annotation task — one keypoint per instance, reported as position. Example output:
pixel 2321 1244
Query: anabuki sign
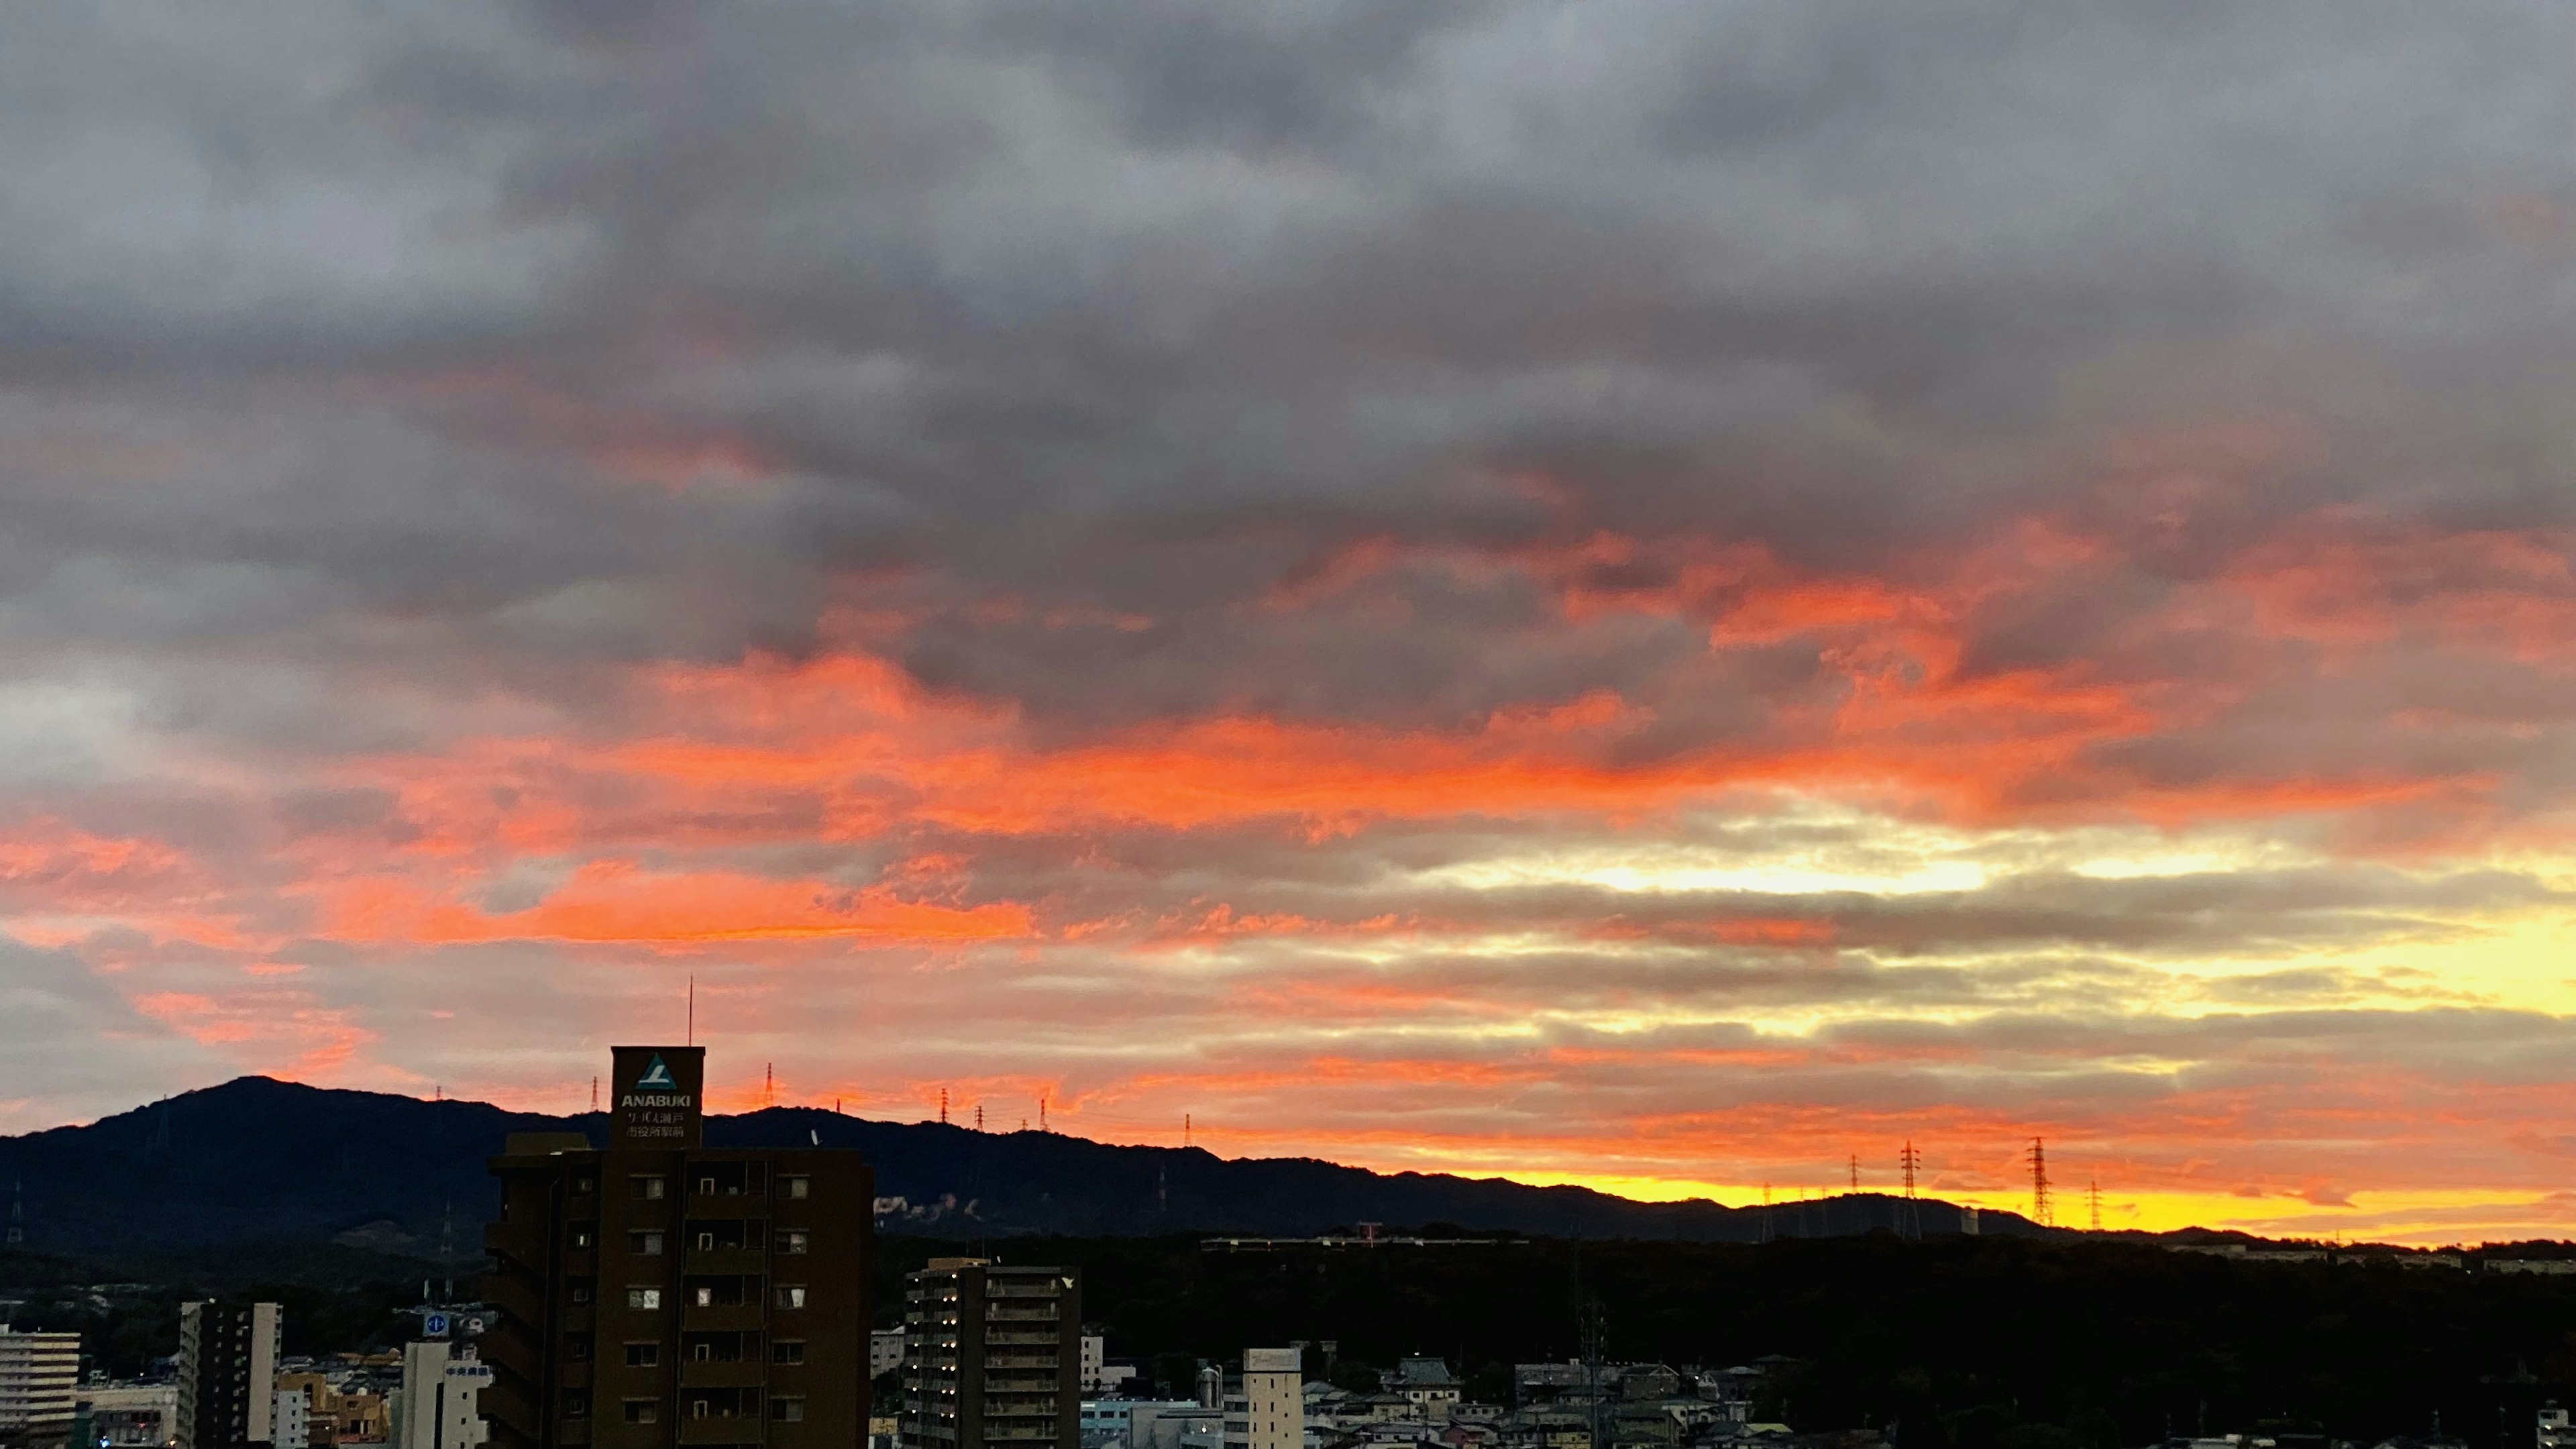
pixel 660 1102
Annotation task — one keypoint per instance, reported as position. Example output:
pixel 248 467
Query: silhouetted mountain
pixel 263 1161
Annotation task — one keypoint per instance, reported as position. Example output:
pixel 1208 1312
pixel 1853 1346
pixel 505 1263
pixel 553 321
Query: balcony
pixel 1015 1313
pixel 716 1373
pixel 729 1261
pixel 722 1429
pixel 724 1318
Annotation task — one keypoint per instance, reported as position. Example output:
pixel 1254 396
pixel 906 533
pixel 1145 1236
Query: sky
pixel 1664 596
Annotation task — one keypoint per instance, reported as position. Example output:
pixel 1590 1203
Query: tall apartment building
pixel 655 1292
pixel 227 1374
pixel 1270 1411
pixel 992 1355
pixel 442 1395
pixel 39 1373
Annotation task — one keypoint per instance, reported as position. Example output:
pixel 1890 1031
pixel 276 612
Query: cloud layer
pixel 1663 596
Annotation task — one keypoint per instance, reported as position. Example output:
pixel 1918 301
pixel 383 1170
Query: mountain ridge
pixel 258 1159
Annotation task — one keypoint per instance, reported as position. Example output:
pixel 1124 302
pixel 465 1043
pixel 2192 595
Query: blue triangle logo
pixel 656 1078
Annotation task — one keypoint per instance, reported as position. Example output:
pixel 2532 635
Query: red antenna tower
pixel 979 1116
pixel 1042 1126
pixel 2040 1211
pixel 943 1106
pixel 2093 1193
pixel 769 1084
pixel 1185 1129
pixel 1855 1171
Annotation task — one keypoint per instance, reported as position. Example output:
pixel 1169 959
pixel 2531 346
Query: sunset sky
pixel 1659 596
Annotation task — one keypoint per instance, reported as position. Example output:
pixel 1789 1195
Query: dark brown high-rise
pixel 658 1293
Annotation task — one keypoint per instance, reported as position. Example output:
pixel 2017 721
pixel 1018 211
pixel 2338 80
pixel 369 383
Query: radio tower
pixel 1855 1171
pixel 943 1106
pixel 979 1116
pixel 1766 1212
pixel 2093 1196
pixel 1909 1218
pixel 2040 1211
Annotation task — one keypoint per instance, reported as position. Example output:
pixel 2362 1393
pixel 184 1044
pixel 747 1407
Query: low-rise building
pixel 133 1416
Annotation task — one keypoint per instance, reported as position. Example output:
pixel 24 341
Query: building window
pixel 643 1355
pixel 791 1297
pixel 577 1347
pixel 787 1411
pixel 787 1350
pixel 697 1408
pixel 581 1235
pixel 792 1241
pixel 576 1406
pixel 706 1296
pixel 794 1185
pixel 645 1298
pixel 646 1245
pixel 584 1185
pixel 580 1290
pixel 643 1411
pixel 651 1186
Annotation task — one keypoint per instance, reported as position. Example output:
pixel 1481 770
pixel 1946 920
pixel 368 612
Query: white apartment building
pixel 1270 1411
pixel 885 1351
pixel 2551 1430
pixel 290 1420
pixel 39 1376
pixel 442 1398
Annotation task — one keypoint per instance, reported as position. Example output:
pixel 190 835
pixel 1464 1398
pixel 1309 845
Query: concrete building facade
pixel 992 1355
pixel 656 1293
pixel 442 1397
pixel 39 1376
pixel 133 1416
pixel 1269 1412
pixel 227 1374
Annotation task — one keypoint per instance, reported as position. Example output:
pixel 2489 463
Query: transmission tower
pixel 979 1116
pixel 943 1106
pixel 1855 1172
pixel 17 1214
pixel 1766 1212
pixel 2040 1211
pixel 2093 1198
pixel 1909 1218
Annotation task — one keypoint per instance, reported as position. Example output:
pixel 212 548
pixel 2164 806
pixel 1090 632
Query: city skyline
pixel 1656 597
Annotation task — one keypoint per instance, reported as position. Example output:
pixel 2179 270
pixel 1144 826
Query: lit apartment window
pixel 651 1185
pixel 643 1411
pixel 580 1290
pixel 792 1241
pixel 787 1350
pixel 787 1411
pixel 791 1297
pixel 707 1186
pixel 581 1235
pixel 643 1355
pixel 794 1185
pixel 706 1296
pixel 584 1185
pixel 646 1245
pixel 642 1297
